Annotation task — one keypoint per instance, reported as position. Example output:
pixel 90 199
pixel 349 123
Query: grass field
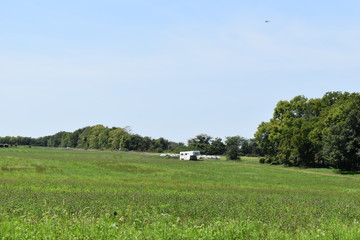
pixel 79 194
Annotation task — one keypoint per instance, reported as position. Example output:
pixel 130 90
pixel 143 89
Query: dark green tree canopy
pixel 201 143
pixel 314 132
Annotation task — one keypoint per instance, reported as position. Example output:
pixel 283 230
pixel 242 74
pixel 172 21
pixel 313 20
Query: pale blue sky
pixel 170 69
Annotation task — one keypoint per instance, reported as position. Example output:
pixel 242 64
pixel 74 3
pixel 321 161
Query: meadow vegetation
pixel 52 193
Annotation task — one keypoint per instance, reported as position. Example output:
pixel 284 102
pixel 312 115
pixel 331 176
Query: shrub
pixel 233 153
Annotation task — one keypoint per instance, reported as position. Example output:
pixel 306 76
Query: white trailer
pixel 190 155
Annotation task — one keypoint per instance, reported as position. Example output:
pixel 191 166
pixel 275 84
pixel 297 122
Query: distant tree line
pixel 101 137
pixel 97 137
pixel 232 147
pixel 321 132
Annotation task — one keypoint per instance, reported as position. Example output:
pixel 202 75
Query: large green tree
pixel 217 147
pixel 233 147
pixel 341 140
pixel 201 143
pixel 315 132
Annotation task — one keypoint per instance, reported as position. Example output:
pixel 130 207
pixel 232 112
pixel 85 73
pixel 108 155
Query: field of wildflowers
pixel 81 194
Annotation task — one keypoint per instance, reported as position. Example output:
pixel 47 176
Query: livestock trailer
pixel 190 155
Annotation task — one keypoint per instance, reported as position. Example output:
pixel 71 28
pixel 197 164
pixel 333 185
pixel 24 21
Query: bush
pixel 233 153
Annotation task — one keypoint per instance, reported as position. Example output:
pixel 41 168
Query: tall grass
pixel 78 194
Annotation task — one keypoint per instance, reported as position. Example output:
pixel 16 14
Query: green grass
pixel 78 194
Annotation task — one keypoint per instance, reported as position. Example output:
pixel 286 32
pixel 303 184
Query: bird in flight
pixel 267 21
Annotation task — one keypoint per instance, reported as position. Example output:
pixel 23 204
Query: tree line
pixel 323 132
pixel 232 147
pixel 97 137
pixel 101 137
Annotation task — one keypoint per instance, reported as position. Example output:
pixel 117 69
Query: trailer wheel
pixel 193 157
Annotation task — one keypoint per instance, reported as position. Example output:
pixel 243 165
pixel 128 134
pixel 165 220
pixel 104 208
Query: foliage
pixel 314 133
pixel 232 153
pixel 207 145
pixel 201 143
pixel 217 147
pixel 341 139
pixel 98 137
pixel 233 147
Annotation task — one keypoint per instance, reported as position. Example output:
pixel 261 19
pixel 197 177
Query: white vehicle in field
pixel 190 155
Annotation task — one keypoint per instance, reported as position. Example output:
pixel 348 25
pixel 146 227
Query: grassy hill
pixel 84 194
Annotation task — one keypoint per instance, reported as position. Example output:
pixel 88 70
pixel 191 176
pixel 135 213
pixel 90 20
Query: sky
pixel 171 69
